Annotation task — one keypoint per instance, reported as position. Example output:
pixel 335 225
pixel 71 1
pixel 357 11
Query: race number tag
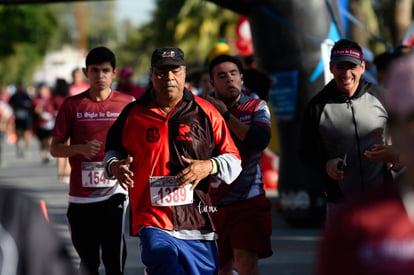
pixel 166 192
pixel 93 175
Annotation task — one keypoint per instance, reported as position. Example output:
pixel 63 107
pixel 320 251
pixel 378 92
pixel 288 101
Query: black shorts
pixel 43 133
pixel 22 124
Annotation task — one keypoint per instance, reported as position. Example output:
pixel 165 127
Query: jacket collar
pixel 146 98
pixel 336 93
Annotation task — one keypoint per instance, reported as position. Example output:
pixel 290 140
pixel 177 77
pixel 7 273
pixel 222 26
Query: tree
pixel 381 19
pixel 364 12
pixel 25 32
pixel 193 25
pixel 401 14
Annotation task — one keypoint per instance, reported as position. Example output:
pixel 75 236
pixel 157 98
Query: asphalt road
pixel 294 248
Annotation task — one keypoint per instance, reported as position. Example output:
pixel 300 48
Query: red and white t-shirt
pixel 82 120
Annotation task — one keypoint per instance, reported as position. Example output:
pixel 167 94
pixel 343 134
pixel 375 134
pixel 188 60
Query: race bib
pixel 165 191
pixel 21 114
pixel 93 175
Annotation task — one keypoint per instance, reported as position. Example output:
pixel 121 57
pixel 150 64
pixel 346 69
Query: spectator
pixel 242 207
pixel 204 84
pixel 126 83
pixel 381 62
pixel 343 135
pixel 370 69
pixel 373 232
pixel 257 83
pixel 164 147
pixel 78 84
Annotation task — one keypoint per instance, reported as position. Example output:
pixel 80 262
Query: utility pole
pixel 81 25
pixel 401 19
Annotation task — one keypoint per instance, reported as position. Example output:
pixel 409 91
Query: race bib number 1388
pixel 166 192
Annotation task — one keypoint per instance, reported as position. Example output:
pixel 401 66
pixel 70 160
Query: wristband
pixel 214 169
pixel 108 166
pixel 226 115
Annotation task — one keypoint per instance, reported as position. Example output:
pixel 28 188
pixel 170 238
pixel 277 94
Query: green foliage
pixel 25 32
pixel 193 25
pixel 24 24
pixel 29 31
pixel 100 27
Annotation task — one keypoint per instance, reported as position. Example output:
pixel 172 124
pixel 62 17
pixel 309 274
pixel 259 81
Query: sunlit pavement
pixel 294 248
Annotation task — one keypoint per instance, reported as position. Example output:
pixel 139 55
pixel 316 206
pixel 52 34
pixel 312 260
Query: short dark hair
pixel 346 43
pixel 225 58
pixel 100 55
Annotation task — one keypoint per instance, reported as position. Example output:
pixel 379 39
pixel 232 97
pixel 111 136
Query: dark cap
pixel 346 50
pixel 167 57
pixel 346 55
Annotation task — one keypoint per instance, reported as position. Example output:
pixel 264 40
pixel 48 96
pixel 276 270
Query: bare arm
pixel 236 127
pixel 61 149
pixel 383 153
pixel 195 172
pixel 332 170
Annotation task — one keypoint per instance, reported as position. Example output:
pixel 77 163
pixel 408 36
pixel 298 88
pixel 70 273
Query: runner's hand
pixel 220 106
pixel 91 148
pixel 120 170
pixel 382 153
pixel 332 170
pixel 195 172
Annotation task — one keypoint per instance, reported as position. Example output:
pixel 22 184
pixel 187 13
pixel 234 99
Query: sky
pixel 138 11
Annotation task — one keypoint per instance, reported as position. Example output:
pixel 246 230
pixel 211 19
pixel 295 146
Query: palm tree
pixel 193 25
pixel 200 26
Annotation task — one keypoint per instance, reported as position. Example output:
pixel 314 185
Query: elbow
pixel 229 167
pixel 53 152
pixel 257 138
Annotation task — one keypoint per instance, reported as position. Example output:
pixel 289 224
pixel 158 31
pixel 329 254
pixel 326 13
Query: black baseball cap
pixel 346 50
pixel 167 57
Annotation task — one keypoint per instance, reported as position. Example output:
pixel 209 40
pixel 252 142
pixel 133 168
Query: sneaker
pixel 64 179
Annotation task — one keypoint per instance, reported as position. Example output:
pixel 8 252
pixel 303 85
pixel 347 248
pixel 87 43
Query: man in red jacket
pixel 163 148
